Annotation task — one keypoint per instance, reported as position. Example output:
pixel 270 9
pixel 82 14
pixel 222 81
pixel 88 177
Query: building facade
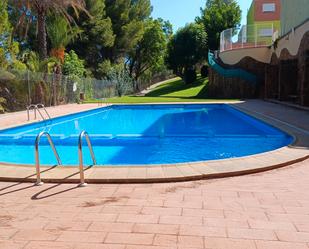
pixel 293 14
pixel 280 65
pixel 263 20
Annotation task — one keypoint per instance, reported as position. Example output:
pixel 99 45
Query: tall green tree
pixel 97 34
pixel 40 10
pixel 167 27
pixel 9 49
pixel 217 16
pixel 149 51
pixel 5 35
pixel 128 17
pixel 60 35
pixel 5 30
pixel 187 48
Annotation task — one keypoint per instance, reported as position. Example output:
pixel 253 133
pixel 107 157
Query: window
pixel 266 32
pixel 269 7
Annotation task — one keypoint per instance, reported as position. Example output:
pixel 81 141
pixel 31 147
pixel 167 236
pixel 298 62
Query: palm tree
pixel 60 35
pixel 40 8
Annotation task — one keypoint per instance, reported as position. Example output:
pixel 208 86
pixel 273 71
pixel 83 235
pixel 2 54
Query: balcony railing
pixel 248 36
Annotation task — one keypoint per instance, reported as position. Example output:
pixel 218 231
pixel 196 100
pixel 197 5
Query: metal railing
pixel 41 106
pixel 29 108
pixel 37 156
pixel 52 89
pixel 80 156
pixel 248 36
pixel 36 108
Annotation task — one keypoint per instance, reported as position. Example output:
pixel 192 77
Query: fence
pixel 248 36
pixel 21 88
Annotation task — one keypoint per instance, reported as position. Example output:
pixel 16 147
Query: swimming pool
pixel 146 134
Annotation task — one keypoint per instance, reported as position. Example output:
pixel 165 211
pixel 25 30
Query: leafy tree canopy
pixel 96 35
pixel 187 48
pixel 4 33
pixel 149 51
pixel 73 65
pixel 128 18
pixel 217 16
pixel 27 9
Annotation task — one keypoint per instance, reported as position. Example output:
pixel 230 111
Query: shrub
pixel 73 65
pixel 2 104
pixel 104 68
pixel 120 78
pixel 204 71
pixel 189 76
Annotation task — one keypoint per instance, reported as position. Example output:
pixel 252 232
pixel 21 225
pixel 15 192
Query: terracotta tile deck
pixel 261 211
pixel 267 210
pixel 18 118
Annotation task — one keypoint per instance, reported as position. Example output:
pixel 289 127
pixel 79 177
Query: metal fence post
pixel 255 35
pixel 231 40
pixel 54 89
pixel 29 89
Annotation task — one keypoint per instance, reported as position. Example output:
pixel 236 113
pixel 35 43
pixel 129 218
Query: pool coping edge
pixel 261 162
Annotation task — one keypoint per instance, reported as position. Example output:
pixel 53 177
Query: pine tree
pixel 5 33
pixel 128 17
pixel 96 34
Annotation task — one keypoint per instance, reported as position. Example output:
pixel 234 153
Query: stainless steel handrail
pixel 41 106
pixel 30 107
pixel 37 108
pixel 37 157
pixel 102 101
pixel 80 156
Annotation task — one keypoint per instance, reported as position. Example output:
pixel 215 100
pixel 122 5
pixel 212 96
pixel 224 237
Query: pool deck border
pixel 296 152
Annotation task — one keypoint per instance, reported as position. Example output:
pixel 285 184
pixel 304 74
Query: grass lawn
pixel 174 90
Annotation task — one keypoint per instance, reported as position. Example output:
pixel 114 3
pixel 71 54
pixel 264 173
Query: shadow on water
pixel 200 132
pixel 170 124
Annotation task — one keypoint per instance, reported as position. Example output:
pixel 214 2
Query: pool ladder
pixel 80 155
pixel 36 108
pixel 37 156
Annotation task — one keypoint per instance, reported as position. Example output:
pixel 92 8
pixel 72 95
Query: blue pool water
pixel 146 134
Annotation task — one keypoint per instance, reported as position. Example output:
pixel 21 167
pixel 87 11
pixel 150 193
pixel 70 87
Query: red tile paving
pixel 269 210
pixel 262 211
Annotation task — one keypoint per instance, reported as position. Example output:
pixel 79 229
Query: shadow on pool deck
pixel 289 119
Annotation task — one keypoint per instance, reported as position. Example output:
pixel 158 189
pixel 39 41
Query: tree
pixel 60 35
pixel 128 17
pixel 40 9
pixel 149 51
pixel 217 16
pixel 73 66
pixel 167 27
pixel 187 48
pixel 5 30
pixel 8 48
pixel 120 78
pixel 96 35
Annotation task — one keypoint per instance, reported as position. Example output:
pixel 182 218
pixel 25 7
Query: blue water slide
pixel 229 73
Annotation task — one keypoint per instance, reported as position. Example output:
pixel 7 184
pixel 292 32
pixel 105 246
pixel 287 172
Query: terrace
pixel 248 36
pixel 263 210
